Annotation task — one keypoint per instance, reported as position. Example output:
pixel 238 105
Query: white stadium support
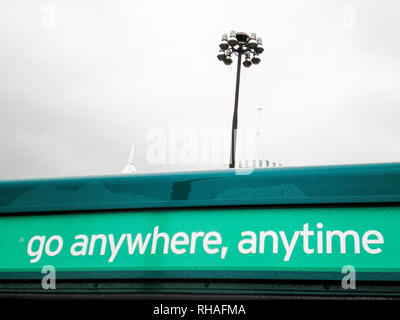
pixel 130 167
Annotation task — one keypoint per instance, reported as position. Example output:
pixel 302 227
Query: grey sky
pixel 80 81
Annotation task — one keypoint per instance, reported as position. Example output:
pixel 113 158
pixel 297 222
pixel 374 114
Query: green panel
pixel 17 231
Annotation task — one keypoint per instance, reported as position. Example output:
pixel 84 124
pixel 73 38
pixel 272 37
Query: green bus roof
pixel 340 184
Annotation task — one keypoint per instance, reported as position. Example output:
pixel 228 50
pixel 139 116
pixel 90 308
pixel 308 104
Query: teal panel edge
pixel 341 184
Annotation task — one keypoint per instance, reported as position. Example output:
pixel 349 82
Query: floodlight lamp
pixel 247 62
pixel 256 59
pixel 221 55
pixel 224 42
pixel 253 41
pixel 232 39
pixel 259 49
pixel 228 60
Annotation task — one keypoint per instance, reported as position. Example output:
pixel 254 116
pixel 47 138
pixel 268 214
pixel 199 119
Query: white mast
pixel 258 137
pixel 130 167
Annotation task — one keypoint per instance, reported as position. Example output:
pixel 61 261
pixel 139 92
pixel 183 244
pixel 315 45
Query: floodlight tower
pixel 239 43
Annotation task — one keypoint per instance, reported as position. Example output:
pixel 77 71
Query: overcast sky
pixel 83 80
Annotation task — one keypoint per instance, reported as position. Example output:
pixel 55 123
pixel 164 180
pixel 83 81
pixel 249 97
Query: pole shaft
pixel 235 111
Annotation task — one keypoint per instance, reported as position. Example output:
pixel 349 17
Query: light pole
pixel 239 43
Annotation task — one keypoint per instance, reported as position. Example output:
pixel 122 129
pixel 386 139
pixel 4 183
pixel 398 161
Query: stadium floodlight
pixel 239 43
